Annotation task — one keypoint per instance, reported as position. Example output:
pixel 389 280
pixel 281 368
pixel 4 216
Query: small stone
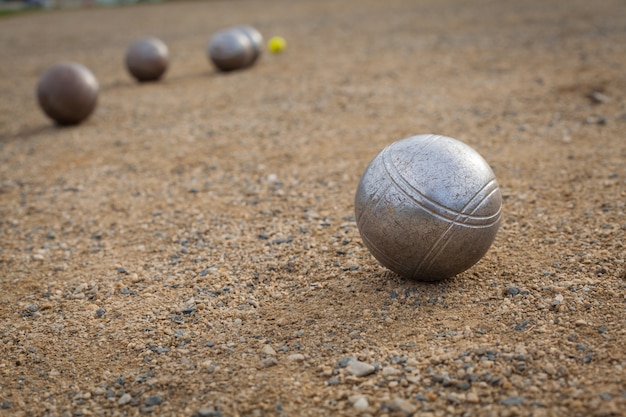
pixel 401 405
pixel 268 362
pixel 472 398
pixel 343 362
pixel 599 97
pixel 513 401
pixel 413 379
pixel 513 291
pixel 124 399
pixel 521 326
pixel 360 369
pixel 296 357
pixel 208 412
pixel 390 371
pixel 153 400
pixel 361 404
pixel 464 386
pixel 159 350
pixel 549 369
pixel 268 350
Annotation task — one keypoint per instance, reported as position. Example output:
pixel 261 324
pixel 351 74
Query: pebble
pixel 268 362
pixel 390 371
pixel 413 379
pixel 268 350
pixel 471 398
pixel 401 405
pixel 549 369
pixel 296 357
pixel 599 97
pixel 513 401
pixel 361 404
pixel 513 291
pixel 343 362
pixel 208 412
pixel 360 369
pixel 153 400
pixel 124 399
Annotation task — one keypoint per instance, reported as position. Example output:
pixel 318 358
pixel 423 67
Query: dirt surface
pixel 191 248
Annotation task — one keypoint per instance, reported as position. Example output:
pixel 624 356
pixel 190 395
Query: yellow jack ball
pixel 276 44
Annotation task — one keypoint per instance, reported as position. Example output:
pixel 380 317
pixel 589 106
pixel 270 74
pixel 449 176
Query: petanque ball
pixel 147 59
pixel 428 207
pixel 256 39
pixel 68 93
pixel 231 49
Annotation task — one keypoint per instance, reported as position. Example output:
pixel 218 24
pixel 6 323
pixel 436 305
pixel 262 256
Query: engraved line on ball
pixel 366 212
pixel 445 238
pixel 438 210
pixel 365 217
pixel 381 256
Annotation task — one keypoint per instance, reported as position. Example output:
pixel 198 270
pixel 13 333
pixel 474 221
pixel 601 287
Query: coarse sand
pixel 191 249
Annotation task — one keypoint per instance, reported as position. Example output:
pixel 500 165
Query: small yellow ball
pixel 276 44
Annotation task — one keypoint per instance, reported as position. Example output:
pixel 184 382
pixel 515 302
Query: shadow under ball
pixel 231 50
pixel 428 207
pixel 147 59
pixel 68 93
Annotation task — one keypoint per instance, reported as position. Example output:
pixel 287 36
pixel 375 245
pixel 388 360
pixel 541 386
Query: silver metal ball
pixel 230 50
pixel 428 207
pixel 255 38
pixel 68 93
pixel 147 59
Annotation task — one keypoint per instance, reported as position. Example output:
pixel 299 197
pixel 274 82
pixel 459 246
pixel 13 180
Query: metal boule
pixel 231 50
pixel 428 207
pixel 147 59
pixel 67 92
pixel 255 38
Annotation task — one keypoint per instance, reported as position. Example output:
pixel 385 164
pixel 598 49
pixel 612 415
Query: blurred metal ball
pixel 231 50
pixel 428 207
pixel 147 59
pixel 255 38
pixel 68 93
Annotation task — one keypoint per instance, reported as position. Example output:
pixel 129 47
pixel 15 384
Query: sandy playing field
pixel 191 249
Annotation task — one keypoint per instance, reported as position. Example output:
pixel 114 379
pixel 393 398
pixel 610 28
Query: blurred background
pixel 14 6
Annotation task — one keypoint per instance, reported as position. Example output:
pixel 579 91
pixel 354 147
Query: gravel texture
pixel 191 248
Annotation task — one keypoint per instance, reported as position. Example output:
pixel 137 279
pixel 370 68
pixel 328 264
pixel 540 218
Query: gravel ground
pixel 191 249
